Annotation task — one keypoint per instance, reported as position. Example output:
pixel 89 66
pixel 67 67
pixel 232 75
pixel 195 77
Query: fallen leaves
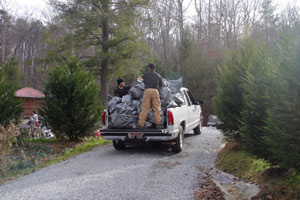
pixel 207 189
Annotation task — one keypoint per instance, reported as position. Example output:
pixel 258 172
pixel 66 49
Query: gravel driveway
pixel 139 172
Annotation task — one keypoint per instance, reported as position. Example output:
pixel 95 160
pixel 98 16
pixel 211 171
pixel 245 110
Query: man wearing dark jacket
pixel 153 82
pixel 121 90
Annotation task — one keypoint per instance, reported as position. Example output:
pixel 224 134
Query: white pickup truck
pixel 180 120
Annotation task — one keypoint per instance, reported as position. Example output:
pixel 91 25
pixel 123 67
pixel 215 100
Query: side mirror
pixel 199 103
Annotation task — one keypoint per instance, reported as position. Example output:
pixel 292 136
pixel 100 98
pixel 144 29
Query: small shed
pixel 32 99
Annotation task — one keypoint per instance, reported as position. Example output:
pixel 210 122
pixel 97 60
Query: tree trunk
pixel 4 37
pixel 105 48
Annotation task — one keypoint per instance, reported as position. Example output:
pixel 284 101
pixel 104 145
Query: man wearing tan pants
pixel 153 82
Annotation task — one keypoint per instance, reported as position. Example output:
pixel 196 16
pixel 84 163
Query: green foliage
pixel 12 73
pixel 10 108
pixel 228 100
pixel 200 78
pixel 105 33
pixel 235 160
pixel 7 136
pixel 258 98
pixel 86 146
pixel 44 152
pixel 283 124
pixel 256 81
pixel 71 107
pixel 185 48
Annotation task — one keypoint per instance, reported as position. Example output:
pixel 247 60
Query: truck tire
pixel 197 130
pixel 119 145
pixel 177 148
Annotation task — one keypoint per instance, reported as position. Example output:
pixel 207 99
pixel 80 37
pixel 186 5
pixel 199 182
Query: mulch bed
pixel 207 189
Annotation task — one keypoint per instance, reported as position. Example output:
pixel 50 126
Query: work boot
pixel 140 127
pixel 159 126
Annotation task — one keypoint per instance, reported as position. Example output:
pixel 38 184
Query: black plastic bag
pixel 126 99
pixel 113 103
pixel 165 83
pixel 119 121
pixel 165 96
pixel 139 85
pixel 136 93
pixel 151 117
pixel 135 104
pixel 121 108
pixel 175 85
pixel 137 90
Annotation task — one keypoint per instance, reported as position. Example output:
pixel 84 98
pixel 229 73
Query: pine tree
pixel 108 27
pixel 283 124
pixel 256 81
pixel 268 21
pixel 228 100
pixel 12 72
pixel 10 108
pixel 71 106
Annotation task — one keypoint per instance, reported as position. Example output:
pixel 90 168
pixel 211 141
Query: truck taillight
pixel 170 118
pixel 103 118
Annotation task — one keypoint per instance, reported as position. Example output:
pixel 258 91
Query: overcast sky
pixel 35 7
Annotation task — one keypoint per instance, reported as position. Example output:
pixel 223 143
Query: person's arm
pixel 160 81
pixel 116 93
pixel 127 88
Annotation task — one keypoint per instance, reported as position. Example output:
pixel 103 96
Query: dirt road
pixel 139 172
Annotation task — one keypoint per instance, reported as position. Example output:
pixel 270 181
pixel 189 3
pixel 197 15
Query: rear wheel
pixel 197 130
pixel 119 145
pixel 177 148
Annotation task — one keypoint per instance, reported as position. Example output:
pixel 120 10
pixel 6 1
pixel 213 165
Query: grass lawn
pixel 38 153
pixel 275 183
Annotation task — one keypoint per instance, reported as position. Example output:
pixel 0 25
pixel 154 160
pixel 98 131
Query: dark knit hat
pixel 151 66
pixel 119 81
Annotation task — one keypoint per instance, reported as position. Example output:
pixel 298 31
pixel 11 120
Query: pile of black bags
pixel 124 112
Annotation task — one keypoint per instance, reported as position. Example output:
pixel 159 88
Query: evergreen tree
pixel 200 78
pixel 269 22
pixel 283 124
pixel 71 106
pixel 12 73
pixel 107 27
pixel 256 81
pixel 228 100
pixel 10 108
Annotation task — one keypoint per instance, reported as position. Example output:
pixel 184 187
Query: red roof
pixel 29 93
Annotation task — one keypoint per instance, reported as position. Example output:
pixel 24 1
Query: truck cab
pixel 181 119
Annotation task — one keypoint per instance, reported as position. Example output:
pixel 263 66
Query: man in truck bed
pixel 153 82
pixel 121 90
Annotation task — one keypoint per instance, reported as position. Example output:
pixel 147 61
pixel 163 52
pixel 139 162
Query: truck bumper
pixel 148 135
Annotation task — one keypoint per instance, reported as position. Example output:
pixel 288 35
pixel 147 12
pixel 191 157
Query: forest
pixel 185 38
pixel 241 57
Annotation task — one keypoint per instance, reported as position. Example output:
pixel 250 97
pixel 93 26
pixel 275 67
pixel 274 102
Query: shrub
pixel 71 105
pixel 7 136
pixel 10 108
